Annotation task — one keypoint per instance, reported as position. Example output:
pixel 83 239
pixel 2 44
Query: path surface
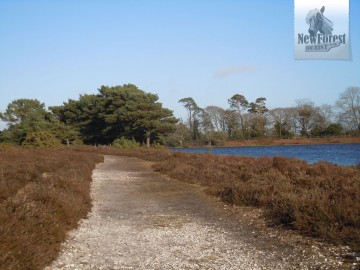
pixel 143 220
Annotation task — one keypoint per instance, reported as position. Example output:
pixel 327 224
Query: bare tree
pixel 327 114
pixel 217 116
pixel 323 118
pixel 306 115
pixel 207 125
pixel 281 121
pixel 231 123
pixel 349 106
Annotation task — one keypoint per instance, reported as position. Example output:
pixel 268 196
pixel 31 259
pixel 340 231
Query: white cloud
pixel 223 72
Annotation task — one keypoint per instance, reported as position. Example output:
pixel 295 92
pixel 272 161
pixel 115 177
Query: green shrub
pixel 77 142
pixel 40 139
pixel 125 143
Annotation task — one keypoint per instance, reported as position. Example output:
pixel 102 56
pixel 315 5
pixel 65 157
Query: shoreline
pixel 280 142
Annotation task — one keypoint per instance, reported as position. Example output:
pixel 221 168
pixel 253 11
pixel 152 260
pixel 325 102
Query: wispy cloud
pixel 234 70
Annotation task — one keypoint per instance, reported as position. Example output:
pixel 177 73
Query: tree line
pixel 246 120
pixel 114 112
pixel 129 113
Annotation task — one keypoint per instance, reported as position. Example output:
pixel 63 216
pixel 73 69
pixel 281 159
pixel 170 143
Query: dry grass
pixel 321 200
pixel 43 194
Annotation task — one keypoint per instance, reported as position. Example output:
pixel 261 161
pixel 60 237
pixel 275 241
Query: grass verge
pixel 43 194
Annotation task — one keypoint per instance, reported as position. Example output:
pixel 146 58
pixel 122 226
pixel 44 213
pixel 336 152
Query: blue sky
pixel 208 50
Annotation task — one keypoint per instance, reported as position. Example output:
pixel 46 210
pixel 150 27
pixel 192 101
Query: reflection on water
pixel 342 154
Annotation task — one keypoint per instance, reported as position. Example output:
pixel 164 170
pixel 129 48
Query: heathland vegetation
pixel 43 194
pixel 45 171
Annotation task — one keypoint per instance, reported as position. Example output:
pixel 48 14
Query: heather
pixel 43 194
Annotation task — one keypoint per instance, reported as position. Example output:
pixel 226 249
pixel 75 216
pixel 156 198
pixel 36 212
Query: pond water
pixel 342 154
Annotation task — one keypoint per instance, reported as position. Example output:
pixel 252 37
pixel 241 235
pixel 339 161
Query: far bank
pixel 293 141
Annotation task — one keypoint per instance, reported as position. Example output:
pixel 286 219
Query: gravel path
pixel 143 220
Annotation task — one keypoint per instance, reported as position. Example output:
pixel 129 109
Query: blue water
pixel 342 154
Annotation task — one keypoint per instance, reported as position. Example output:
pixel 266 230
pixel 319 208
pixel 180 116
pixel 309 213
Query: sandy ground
pixel 143 220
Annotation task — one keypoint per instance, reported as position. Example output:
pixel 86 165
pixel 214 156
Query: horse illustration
pixel 318 22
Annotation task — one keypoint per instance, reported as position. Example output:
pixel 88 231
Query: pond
pixel 342 154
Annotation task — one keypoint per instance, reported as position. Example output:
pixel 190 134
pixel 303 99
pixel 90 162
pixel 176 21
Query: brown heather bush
pixel 43 194
pixel 321 200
